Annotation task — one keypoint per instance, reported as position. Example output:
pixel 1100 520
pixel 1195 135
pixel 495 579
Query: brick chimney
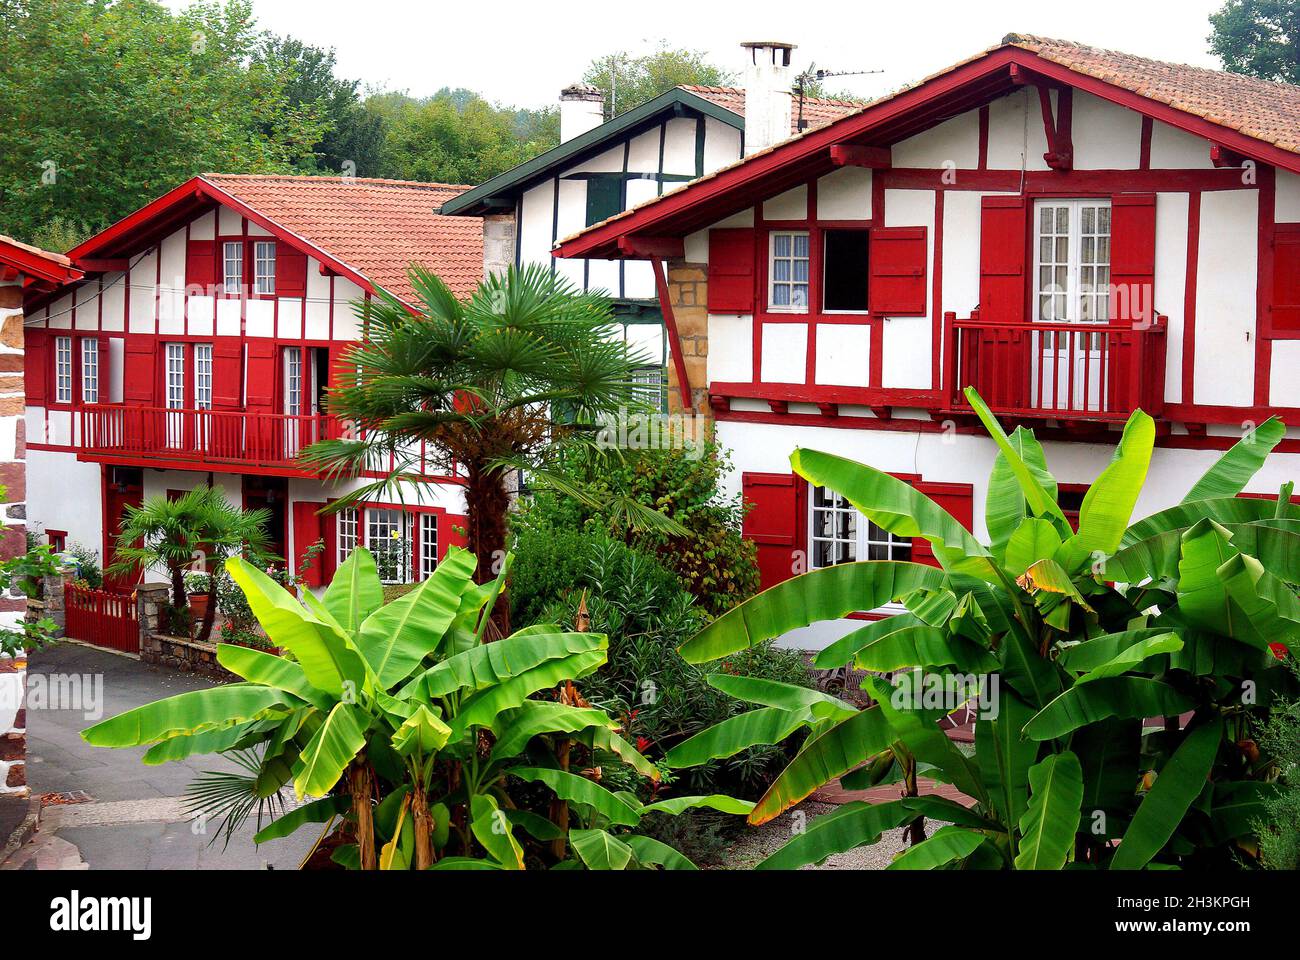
pixel 582 108
pixel 768 78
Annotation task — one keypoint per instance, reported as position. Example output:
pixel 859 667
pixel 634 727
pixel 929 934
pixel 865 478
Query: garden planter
pixel 198 606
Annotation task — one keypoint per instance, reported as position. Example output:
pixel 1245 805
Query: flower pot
pixel 198 606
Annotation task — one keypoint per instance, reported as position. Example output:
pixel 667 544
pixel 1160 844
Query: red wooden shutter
pixel 1132 257
pixel 731 271
pixel 227 373
pixel 307 529
pixel 201 264
pixel 36 366
pixel 1004 235
pixel 1286 278
pixel 290 271
pixel 958 499
pixel 261 376
pixel 140 370
pixel 898 262
pixel 778 523
pixel 451 532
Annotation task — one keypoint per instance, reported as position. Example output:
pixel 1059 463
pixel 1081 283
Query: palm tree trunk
pixel 488 506
pixel 361 788
pixel 179 600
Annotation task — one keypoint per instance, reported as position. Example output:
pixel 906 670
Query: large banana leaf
pixel 576 789
pixel 1004 757
pixel 318 811
pixel 397 636
pixel 832 754
pixel 852 825
pixel 728 737
pixel 1180 781
pixel 601 738
pixel 1274 543
pixel 783 696
pixel 334 745
pixel 188 713
pixel 898 507
pixel 491 828
pixel 924 646
pixel 1232 471
pixel 1091 654
pixel 534 717
pixel 1108 505
pixel 483 708
pixel 1121 697
pixel 649 851
pixel 1133 656
pixel 1032 541
pixel 187 745
pixel 493 663
pixel 842 651
pixel 946 845
pixel 257 666
pixel 1225 511
pixel 1110 752
pixel 1005 506
pixel 820 595
pixel 326 658
pixel 714 801
pixel 423 730
pixel 1033 677
pixel 601 851
pixel 1051 820
pixel 355 592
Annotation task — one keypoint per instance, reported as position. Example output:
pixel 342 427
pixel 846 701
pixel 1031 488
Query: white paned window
pixel 346 532
pixel 264 267
pixel 233 266
pixel 203 376
pixel 428 544
pixel 788 270
pixel 293 381
pixel 1072 261
pixel 839 533
pixel 389 538
pixel 175 376
pixel 63 369
pixel 89 371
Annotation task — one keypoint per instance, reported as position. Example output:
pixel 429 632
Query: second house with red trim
pixel 1075 232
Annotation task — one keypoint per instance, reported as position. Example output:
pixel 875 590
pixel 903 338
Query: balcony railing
pixel 201 437
pixel 1059 371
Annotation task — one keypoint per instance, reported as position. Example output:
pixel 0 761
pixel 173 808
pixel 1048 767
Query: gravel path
pixel 759 843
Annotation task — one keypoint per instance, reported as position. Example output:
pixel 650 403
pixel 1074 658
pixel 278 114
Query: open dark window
pixel 846 279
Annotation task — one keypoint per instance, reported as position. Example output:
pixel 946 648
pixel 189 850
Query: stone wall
pixel 688 294
pixel 13 538
pixel 177 653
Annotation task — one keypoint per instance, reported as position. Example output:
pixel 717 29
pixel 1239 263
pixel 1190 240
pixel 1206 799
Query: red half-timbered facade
pixel 1075 232
pixel 199 345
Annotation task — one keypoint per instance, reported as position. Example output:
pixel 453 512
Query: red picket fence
pixel 105 618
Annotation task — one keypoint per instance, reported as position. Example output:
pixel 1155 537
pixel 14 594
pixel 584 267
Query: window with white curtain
pixel 839 533
pixel 388 536
pixel 788 271
pixel 175 376
pixel 89 371
pixel 1072 261
pixel 63 369
pixel 203 376
pixel 233 266
pixel 264 267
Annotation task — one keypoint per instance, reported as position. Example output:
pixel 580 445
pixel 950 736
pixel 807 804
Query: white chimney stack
pixel 582 108
pixel 768 80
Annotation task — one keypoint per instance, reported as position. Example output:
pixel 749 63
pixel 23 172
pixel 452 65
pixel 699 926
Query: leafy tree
pixel 1070 663
pixel 1260 38
pixel 354 137
pixel 405 703
pixel 105 105
pixel 628 81
pixel 508 379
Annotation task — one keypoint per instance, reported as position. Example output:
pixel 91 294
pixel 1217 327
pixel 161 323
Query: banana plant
pixel 400 719
pixel 1078 649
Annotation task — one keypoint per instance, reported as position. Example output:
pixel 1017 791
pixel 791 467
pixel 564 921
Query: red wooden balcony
pixel 201 439
pixel 1056 371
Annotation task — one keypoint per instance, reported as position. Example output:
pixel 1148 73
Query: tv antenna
pixel 813 74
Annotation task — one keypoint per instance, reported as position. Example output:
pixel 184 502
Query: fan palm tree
pixel 508 379
pixel 171 536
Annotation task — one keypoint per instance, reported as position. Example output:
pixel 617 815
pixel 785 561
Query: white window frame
pixel 232 256
pixel 864 537
pixel 792 260
pixel 89 370
pixel 174 381
pixel 346 528
pixel 377 529
pixel 264 267
pixel 202 376
pixel 293 381
pixel 428 544
pixel 62 369
pixel 1073 299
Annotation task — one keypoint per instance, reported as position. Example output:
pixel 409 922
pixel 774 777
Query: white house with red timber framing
pixel 197 348
pixel 1074 232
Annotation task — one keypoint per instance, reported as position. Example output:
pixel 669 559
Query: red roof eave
pixel 44 270
pixel 655 217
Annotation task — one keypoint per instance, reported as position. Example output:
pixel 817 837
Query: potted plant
pixel 198 586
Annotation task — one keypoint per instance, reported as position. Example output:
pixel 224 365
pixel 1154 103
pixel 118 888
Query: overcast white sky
pixel 524 52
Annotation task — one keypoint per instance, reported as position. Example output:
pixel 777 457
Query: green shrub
pixel 1279 832
pixel 715 563
pixel 639 603
pixel 87 563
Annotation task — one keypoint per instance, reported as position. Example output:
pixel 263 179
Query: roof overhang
pixel 966 86
pixel 37 270
pixel 499 193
